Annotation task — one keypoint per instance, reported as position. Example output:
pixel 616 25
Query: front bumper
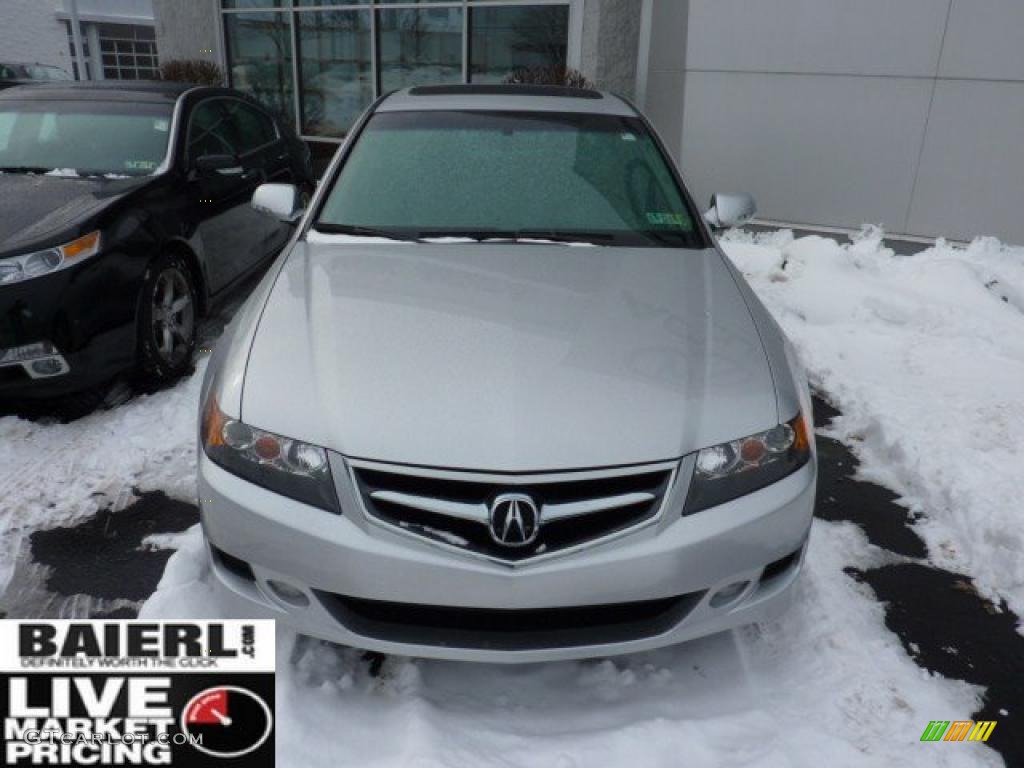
pixel 363 586
pixel 87 312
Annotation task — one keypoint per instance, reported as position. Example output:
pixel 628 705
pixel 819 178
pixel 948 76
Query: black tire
pixel 167 321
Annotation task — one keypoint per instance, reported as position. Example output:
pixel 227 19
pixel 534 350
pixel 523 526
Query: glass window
pixel 253 129
pixel 419 46
pixel 255 3
pixel 596 178
pixel 504 39
pixel 418 42
pixel 337 72
pixel 91 137
pixel 125 41
pixel 260 54
pixel 209 132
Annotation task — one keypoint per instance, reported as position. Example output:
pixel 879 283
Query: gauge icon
pixel 227 721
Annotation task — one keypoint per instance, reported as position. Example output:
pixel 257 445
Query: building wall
pixel 187 29
pixel 844 112
pixel 611 30
pixel 30 31
pixel 107 11
pixel 664 89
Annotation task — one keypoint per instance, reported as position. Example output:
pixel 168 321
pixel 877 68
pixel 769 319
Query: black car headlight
pixel 29 265
pixel 289 467
pixel 730 470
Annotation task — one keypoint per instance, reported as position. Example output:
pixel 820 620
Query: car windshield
pixel 598 179
pixel 83 137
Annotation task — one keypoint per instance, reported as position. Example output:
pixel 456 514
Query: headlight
pixel 288 467
pixel 39 263
pixel 727 471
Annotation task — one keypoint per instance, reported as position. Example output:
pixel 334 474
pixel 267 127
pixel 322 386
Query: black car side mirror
pixel 226 165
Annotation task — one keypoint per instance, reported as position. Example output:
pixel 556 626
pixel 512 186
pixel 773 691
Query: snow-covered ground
pixel 924 355
pixel 56 474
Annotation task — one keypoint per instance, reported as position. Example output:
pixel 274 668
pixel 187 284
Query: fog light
pixel 26 352
pixel 288 594
pixel 49 366
pixel 726 595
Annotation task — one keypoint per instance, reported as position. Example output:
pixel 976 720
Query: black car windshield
pixel 509 175
pixel 83 137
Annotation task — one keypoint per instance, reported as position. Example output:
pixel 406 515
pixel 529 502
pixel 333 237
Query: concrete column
pixel 76 37
pixel 92 34
pixel 611 36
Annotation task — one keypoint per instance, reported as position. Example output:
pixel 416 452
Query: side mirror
pixel 282 201
pixel 730 210
pixel 226 165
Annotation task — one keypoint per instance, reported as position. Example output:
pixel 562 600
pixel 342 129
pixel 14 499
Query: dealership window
pixel 259 49
pixel 504 39
pixel 417 46
pixel 126 52
pixel 336 69
pixel 344 53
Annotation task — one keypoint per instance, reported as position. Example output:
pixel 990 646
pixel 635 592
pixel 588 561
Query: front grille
pixel 508 629
pixel 574 510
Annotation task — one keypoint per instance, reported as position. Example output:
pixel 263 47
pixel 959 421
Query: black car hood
pixel 34 208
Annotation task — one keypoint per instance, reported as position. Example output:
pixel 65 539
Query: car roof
pixel 502 98
pixel 103 90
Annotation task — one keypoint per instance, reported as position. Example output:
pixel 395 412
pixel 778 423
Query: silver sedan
pixel 503 398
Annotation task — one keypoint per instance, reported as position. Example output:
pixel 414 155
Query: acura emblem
pixel 515 520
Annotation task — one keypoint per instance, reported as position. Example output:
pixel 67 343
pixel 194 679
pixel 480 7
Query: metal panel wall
pixel 843 112
pixel 971 176
pixel 838 150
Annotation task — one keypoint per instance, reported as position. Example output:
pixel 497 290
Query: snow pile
pixel 55 474
pixel 67 173
pixel 924 355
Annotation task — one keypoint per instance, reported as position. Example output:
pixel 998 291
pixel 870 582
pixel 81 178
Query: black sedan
pixel 124 213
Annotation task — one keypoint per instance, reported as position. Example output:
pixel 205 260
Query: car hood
pixel 34 208
pixel 510 358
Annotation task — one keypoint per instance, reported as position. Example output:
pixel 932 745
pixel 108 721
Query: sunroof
pixel 561 91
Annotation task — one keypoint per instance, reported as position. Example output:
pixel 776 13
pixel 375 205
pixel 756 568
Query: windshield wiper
pixel 517 236
pixel 671 237
pixel 352 229
pixel 24 169
pixel 565 237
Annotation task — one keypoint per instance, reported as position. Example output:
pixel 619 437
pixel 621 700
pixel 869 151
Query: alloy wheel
pixel 173 316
